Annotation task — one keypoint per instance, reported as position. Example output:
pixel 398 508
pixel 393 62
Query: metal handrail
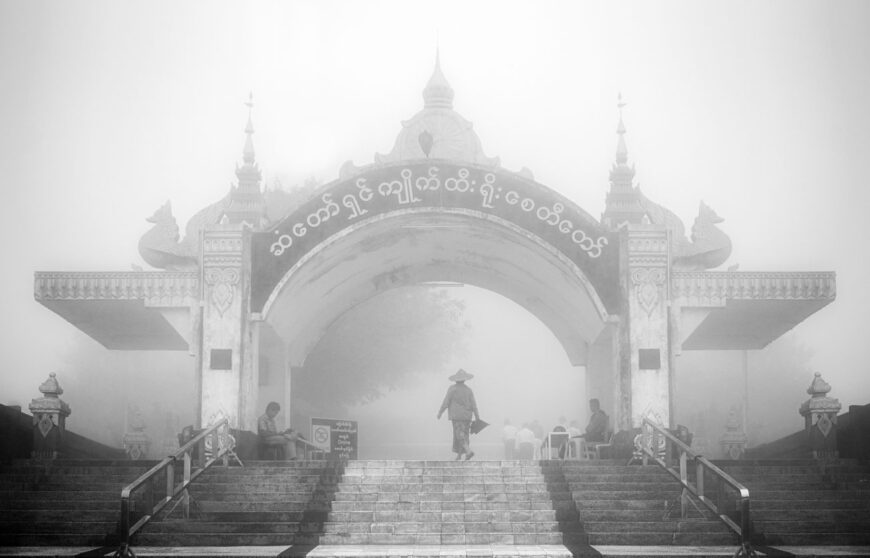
pixel 652 450
pixel 221 446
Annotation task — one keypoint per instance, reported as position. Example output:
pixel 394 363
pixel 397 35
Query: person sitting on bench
pixel 269 437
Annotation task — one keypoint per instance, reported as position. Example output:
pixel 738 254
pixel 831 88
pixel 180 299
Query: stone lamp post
pixel 49 419
pixel 820 418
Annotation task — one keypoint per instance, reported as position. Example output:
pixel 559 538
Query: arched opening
pixel 421 246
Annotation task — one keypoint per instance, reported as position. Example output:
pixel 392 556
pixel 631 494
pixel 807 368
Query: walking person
pixel 461 408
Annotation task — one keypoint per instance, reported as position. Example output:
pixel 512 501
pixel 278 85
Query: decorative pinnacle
pixel 438 93
pixel 621 149
pixel 248 152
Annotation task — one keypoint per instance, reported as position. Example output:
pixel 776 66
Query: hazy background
pixel 757 108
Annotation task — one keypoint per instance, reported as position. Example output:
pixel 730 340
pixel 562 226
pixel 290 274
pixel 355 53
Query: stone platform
pixel 445 551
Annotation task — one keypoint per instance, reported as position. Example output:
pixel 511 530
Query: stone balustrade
pixel 714 288
pixel 155 288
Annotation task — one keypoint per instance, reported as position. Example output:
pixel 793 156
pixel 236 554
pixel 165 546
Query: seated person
pixel 269 436
pixel 561 446
pixel 597 423
pixel 525 443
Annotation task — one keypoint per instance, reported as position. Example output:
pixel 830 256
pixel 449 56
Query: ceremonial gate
pixel 623 295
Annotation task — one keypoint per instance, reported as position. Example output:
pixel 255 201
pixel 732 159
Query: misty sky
pixel 757 108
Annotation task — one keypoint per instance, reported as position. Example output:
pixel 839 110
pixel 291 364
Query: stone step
pixel 198 526
pixel 675 526
pixel 70 505
pixel 67 525
pixel 788 495
pixel 449 506
pixel 238 539
pixel 412 527
pixel 856 525
pixel 665 538
pixel 776 506
pixel 452 497
pixel 450 517
pixel 451 538
pixel 816 539
pixel 281 507
pixel 56 539
pixel 49 516
pixel 245 517
pixel 451 487
pixel 659 493
pixel 300 497
pixel 593 505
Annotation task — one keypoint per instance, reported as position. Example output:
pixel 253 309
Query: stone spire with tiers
pixel 436 132
pixel 438 94
pixel 246 201
pixel 623 204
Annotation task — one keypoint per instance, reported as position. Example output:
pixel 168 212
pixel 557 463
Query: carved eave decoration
pixel 746 310
pixel 124 310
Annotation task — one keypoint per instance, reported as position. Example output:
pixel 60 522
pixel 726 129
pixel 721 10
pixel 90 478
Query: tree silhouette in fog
pixel 379 346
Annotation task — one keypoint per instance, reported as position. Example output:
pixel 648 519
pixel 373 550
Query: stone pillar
pixel 136 441
pixel 734 440
pixel 647 290
pixel 49 419
pixel 228 378
pixel 820 418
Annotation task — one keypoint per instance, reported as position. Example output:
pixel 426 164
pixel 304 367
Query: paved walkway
pixel 458 551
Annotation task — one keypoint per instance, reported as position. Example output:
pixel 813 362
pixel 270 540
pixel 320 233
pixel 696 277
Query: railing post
pixel 170 480
pixel 699 478
pixel 684 478
pixel 185 498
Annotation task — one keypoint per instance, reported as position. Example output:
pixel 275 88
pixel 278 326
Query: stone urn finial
pixel 734 440
pixel 819 387
pixel 136 441
pixel 820 418
pixel 49 419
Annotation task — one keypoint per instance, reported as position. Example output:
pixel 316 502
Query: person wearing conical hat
pixel 461 408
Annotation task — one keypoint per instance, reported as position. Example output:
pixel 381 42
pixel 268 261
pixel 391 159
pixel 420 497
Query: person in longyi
pixel 461 408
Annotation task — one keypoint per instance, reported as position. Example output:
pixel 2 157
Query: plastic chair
pixel 592 450
pixel 555 441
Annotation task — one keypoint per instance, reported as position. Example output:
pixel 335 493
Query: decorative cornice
pixel 714 288
pixel 155 288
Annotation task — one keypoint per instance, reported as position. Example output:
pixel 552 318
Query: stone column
pixel 820 418
pixel 734 440
pixel 49 419
pixel 227 373
pixel 647 293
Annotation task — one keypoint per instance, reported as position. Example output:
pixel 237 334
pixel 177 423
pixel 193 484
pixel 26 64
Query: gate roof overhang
pixel 421 245
pixel 746 310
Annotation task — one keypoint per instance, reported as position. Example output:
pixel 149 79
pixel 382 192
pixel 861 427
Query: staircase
pixel 573 503
pixel 63 503
pixel 805 502
pixel 636 505
pixel 452 503
pixel 262 503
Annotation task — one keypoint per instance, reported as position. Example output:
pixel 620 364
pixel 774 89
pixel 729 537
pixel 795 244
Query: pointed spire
pixel 621 149
pixel 438 93
pixel 248 152
pixel 249 174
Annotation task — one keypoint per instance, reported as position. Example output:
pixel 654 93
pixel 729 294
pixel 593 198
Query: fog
pixel 758 109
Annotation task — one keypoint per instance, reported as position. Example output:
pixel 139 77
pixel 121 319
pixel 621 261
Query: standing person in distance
pixel 461 408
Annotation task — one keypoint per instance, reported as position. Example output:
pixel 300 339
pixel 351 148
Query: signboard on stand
pixel 337 438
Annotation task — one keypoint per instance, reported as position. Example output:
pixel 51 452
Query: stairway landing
pixel 446 551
